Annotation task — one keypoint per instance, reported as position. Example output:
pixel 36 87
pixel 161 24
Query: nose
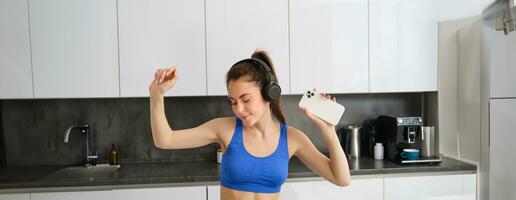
pixel 239 108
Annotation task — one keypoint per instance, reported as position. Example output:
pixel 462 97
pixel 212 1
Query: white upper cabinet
pixel 162 33
pixel 74 48
pixel 329 46
pixel 502 64
pixel 15 66
pixel 458 9
pixel 403 46
pixel 236 28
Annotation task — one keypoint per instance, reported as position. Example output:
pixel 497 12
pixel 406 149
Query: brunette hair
pixel 257 74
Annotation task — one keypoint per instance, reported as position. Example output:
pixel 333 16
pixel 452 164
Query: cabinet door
pixel 97 195
pixel 430 187
pixel 214 192
pixel 20 196
pixel 190 193
pixel 366 189
pixel 403 46
pixel 502 137
pixel 469 186
pixel 329 46
pixel 502 64
pixel 236 28
pixel 160 33
pixel 74 48
pixel 459 9
pixel 15 66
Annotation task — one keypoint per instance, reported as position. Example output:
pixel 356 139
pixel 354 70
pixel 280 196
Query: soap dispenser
pixel 113 156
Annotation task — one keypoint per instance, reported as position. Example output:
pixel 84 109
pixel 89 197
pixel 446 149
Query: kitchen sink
pixel 83 172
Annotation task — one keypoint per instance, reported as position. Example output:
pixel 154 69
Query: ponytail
pixel 274 105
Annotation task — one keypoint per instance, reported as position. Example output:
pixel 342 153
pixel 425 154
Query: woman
pixel 257 142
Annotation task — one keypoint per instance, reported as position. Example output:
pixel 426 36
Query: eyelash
pixel 245 101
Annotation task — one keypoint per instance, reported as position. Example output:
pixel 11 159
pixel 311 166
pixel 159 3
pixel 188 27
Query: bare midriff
pixel 230 194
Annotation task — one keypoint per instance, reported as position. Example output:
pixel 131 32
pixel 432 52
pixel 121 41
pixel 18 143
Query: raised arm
pixel 334 169
pixel 163 136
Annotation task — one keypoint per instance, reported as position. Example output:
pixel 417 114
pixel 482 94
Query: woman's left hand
pixel 316 120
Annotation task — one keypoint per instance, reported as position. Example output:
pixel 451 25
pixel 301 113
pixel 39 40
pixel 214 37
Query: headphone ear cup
pixel 271 91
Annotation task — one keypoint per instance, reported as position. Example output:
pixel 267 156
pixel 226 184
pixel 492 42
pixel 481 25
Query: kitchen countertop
pixel 197 173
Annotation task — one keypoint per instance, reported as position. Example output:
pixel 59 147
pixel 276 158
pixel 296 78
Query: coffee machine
pixel 401 132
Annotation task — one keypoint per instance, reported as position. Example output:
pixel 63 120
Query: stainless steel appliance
pixel 402 132
pixel 428 147
pixel 350 141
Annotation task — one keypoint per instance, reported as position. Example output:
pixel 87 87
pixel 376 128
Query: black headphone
pixel 271 91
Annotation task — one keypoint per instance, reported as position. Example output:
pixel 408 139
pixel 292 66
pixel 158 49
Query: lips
pixel 246 117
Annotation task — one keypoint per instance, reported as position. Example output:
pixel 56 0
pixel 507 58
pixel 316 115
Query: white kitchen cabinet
pixel 366 189
pixel 74 48
pixel 236 28
pixel 18 196
pixel 190 193
pixel 15 64
pixel 503 64
pixel 329 46
pixel 502 137
pixel 160 33
pixel 459 9
pixel 403 46
pixel 460 187
pixel 469 186
pixel 86 195
pixel 214 192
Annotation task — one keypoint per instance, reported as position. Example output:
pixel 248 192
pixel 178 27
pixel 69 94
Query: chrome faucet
pixel 85 130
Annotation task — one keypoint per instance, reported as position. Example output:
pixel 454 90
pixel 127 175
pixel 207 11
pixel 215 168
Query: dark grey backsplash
pixel 33 130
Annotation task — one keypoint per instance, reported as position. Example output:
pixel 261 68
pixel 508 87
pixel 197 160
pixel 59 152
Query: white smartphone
pixel 322 107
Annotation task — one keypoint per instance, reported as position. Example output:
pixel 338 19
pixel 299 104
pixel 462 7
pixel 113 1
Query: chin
pixel 249 121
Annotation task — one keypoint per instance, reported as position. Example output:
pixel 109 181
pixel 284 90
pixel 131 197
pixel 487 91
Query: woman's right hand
pixel 164 79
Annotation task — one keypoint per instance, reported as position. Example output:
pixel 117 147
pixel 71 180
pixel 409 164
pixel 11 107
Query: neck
pixel 265 124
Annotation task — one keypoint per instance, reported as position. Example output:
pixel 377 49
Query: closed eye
pixel 231 102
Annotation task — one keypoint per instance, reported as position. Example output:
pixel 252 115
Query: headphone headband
pixel 271 90
pixel 270 76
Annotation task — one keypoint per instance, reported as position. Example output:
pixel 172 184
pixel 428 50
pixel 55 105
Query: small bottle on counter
pixel 113 156
pixel 219 155
pixel 378 151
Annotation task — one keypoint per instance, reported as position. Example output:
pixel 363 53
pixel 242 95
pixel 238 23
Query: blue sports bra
pixel 242 171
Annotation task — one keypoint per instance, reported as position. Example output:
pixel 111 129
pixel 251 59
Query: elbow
pixel 343 182
pixel 158 145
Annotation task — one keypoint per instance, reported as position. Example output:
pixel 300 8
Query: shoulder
pixel 295 132
pixel 221 123
pixel 223 120
pixel 296 137
pixel 222 126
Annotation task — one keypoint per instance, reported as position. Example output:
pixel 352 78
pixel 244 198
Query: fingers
pixel 156 75
pixel 162 73
pixel 307 113
pixel 326 95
